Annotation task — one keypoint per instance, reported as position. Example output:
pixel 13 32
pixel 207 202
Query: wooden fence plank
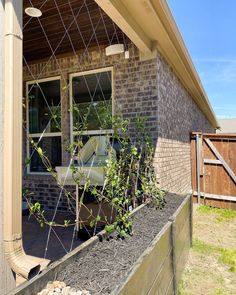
pixel 211 161
pixel 201 156
pixel 218 176
pixel 164 279
pixel 217 197
pixel 218 155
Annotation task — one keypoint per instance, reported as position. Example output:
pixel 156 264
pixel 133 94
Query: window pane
pixel 51 146
pixel 44 107
pixel 92 101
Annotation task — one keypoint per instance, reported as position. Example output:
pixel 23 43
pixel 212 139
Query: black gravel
pixel 108 263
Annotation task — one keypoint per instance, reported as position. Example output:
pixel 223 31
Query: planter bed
pixel 154 256
pixel 108 263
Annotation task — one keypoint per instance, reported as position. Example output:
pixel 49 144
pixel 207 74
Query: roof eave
pixel 149 24
pixel 162 10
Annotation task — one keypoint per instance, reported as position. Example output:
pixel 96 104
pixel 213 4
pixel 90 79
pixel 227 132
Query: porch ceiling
pixel 66 25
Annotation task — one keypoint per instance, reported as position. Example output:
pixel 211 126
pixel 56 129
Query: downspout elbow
pixel 19 262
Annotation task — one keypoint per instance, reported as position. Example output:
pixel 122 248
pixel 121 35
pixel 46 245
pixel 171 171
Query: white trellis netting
pixel 91 109
pixel 35 143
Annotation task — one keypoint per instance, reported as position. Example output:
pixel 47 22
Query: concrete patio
pixel 60 240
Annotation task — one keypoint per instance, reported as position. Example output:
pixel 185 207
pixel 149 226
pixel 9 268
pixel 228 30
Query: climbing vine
pixel 130 179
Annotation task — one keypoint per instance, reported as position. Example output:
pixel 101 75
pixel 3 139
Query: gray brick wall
pixel 135 92
pixel 149 88
pixel 178 115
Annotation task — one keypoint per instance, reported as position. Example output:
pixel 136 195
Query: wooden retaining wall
pixel 154 268
pixel 157 271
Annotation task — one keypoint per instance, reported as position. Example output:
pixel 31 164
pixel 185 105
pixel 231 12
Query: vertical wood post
pixel 198 168
pixel 193 163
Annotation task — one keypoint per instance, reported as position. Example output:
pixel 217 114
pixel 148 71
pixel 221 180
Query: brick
pixel 149 88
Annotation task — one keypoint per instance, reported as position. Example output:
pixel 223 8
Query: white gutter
pixel 12 150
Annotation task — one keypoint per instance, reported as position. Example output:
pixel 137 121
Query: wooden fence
pixel 214 169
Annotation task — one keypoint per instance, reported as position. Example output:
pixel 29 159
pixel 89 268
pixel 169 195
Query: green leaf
pixel 109 228
pixel 27 161
pixel 98 218
pixel 92 223
pixel 40 152
pixel 122 233
pixel 94 191
pixel 115 200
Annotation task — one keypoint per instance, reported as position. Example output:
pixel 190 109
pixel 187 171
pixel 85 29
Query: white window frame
pixel 37 135
pixel 85 73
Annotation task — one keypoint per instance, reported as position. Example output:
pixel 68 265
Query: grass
pixel 211 269
pixel 218 292
pixel 223 214
pixel 227 257
pixel 181 289
pixel 203 248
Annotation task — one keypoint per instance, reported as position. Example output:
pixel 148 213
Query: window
pixel 44 122
pixel 91 102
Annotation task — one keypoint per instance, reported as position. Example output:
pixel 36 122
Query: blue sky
pixel 208 28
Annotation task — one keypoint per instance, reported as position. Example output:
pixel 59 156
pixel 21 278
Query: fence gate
pixel 214 169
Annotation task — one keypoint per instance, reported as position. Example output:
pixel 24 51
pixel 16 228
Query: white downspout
pixel 12 151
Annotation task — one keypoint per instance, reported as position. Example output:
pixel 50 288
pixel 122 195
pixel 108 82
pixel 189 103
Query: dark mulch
pixel 107 264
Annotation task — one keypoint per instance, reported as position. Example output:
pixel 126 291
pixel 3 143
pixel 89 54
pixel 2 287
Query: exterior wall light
pixel 115 49
pixel 127 54
pixel 33 12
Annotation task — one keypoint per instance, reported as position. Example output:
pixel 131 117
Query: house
pixel 130 54
pixel 227 125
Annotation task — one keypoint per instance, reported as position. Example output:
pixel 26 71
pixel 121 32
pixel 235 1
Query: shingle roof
pixel 227 125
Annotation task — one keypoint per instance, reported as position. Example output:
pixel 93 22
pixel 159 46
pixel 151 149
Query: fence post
pixel 198 169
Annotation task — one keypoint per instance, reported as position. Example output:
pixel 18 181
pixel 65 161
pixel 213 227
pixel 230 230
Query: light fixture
pixel 33 12
pixel 127 54
pixel 115 49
